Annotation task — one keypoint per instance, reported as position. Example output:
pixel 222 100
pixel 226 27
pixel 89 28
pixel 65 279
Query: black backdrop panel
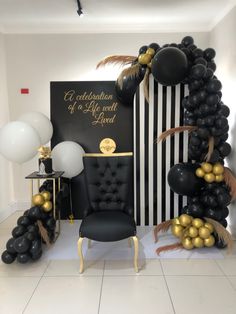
pixel 87 112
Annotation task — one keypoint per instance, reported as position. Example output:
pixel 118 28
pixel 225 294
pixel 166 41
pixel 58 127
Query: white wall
pixel 6 195
pixel 222 39
pixel 35 60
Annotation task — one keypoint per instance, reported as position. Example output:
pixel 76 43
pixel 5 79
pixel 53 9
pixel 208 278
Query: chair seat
pixel 107 226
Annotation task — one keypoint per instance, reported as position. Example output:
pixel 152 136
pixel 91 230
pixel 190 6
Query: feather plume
pixel 172 131
pixel 122 60
pixel 222 233
pixel 211 144
pixel 165 248
pixel 146 84
pixel 230 180
pixel 43 232
pixel 131 72
pixel 163 227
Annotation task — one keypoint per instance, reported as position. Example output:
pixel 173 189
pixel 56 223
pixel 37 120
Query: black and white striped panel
pixel 154 201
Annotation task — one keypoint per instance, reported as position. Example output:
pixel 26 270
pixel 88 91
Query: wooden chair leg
pixel 129 242
pixel 81 267
pixel 135 239
pixel 89 243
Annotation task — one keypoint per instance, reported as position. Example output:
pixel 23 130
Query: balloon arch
pixel 209 185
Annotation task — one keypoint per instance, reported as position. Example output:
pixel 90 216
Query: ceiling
pixel 29 16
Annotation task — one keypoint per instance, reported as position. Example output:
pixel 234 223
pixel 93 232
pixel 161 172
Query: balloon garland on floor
pixel 209 185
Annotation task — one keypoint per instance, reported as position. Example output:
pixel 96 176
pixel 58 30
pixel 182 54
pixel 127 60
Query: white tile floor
pixel 163 286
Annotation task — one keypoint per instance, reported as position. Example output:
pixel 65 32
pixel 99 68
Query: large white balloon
pixel 68 157
pixel 40 123
pixel 19 142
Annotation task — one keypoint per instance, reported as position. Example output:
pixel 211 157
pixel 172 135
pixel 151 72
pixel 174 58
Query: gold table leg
pixel 81 267
pixel 135 239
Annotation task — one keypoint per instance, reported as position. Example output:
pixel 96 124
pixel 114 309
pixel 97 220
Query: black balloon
pixel 224 149
pixel 35 213
pixel 169 66
pixel 36 256
pixel 213 213
pixel 213 86
pixel 154 46
pixel 10 246
pixel 21 244
pixel 7 257
pixel 23 258
pixel 195 210
pixel 209 53
pixel 24 221
pixel 50 223
pixel 143 49
pixel 18 231
pixel 36 246
pixel 219 243
pixel 198 71
pixel 183 181
pixel 187 40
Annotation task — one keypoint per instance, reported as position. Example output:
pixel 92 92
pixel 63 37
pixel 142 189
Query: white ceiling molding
pixel 222 14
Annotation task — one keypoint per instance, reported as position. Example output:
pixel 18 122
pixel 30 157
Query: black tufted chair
pixel 109 181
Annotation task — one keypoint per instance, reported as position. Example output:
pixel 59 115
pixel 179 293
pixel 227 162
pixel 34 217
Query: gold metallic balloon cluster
pixel 146 58
pixel 193 232
pixel 43 199
pixel 211 172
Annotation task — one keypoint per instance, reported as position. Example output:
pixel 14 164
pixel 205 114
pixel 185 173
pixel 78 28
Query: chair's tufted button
pixel 102 174
pixel 119 183
pixel 96 166
pixel 114 191
pixel 98 184
pixel 108 182
pixel 113 174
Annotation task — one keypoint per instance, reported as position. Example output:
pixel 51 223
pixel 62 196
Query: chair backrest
pixel 109 182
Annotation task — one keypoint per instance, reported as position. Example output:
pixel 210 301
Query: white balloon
pixel 19 142
pixel 40 123
pixel 68 157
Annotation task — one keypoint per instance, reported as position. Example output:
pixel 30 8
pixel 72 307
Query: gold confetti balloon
pixel 219 178
pixel 198 242
pixel 209 177
pixel 200 173
pixel 209 226
pixel 209 242
pixel 177 230
pixel 144 58
pixel 185 220
pixel 193 232
pixel 204 232
pixel 47 206
pixel 38 200
pixel 207 167
pixel 46 195
pixel 150 51
pixel 187 243
pixel 197 222
pixel 218 169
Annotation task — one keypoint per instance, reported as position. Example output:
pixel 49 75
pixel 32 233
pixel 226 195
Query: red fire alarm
pixel 24 91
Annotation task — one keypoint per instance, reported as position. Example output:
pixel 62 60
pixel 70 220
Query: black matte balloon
pixel 211 65
pixel 154 46
pixel 213 86
pixel 198 71
pixel 33 228
pixel 209 53
pixel 7 257
pixel 224 199
pixel 36 246
pixel 21 244
pixel 24 221
pixel 223 222
pixel 224 110
pixel 197 53
pixel 224 149
pixel 169 66
pixel 18 231
pixel 183 181
pixel 209 74
pixel 219 243
pixel 187 40
pixel 36 256
pixel 195 210
pixel 203 133
pixel 213 213
pixel 143 49
pixel 224 212
pixel 10 246
pixel 50 223
pixel 23 258
pixel 212 99
pixel 35 213
pixel 31 236
pixel 200 61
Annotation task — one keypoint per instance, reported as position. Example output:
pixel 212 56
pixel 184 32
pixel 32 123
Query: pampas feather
pixel 43 232
pixel 131 72
pixel 172 131
pixel 211 144
pixel 222 233
pixel 175 246
pixel 230 180
pixel 146 84
pixel 163 226
pixel 122 60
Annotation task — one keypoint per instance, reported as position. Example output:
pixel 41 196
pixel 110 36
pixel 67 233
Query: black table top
pixel 36 175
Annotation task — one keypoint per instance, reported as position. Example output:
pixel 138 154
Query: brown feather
pixel 165 248
pixel 172 131
pixel 146 84
pixel 211 144
pixel 43 232
pixel 163 227
pixel 132 71
pixel 222 233
pixel 122 60
pixel 230 180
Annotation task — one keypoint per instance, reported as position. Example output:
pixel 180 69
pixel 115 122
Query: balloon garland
pixel 209 185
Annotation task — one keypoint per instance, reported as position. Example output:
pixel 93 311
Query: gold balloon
pixel 38 200
pixel 209 226
pixel 218 168
pixel 207 167
pixel 46 195
pixel 150 51
pixel 144 58
pixel 197 222
pixel 209 177
pixel 175 221
pixel 47 206
pixel 185 220
pixel 198 242
pixel 177 230
pixel 193 232
pixel 200 173
pixel 204 232
pixel 219 178
pixel 187 243
pixel 209 241
pixel 150 64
